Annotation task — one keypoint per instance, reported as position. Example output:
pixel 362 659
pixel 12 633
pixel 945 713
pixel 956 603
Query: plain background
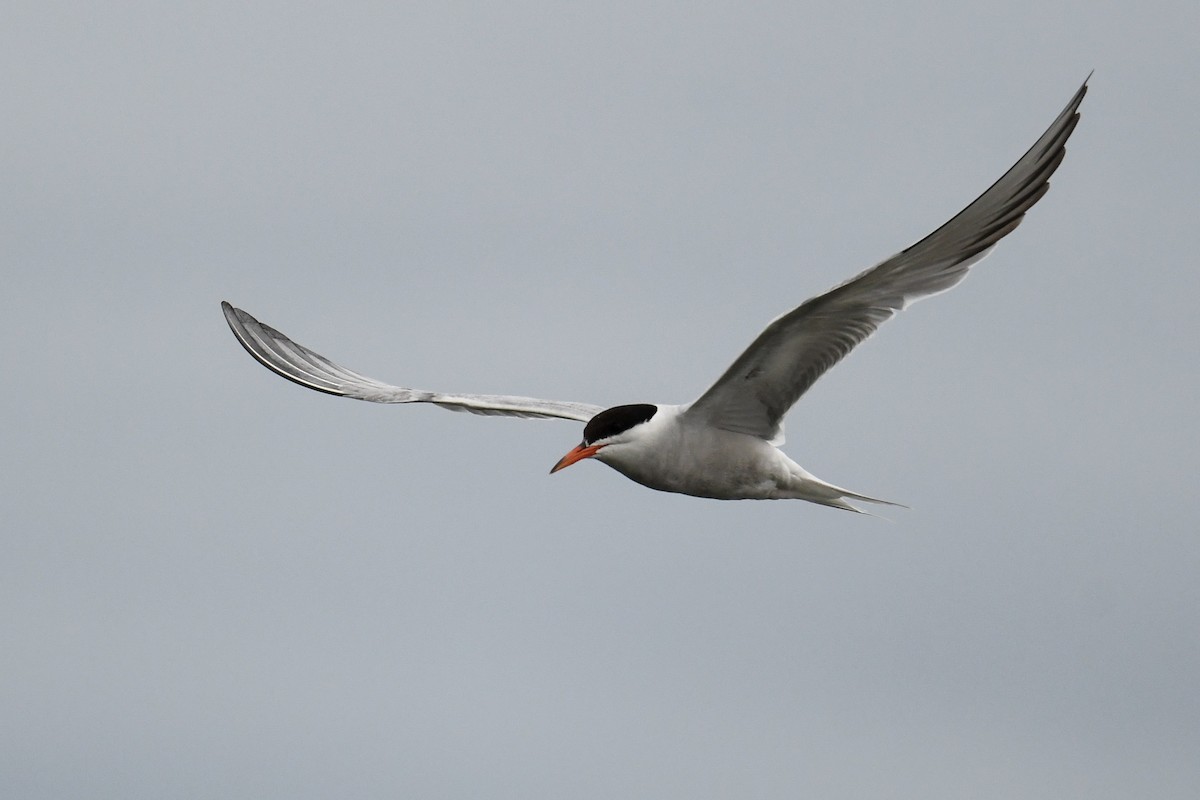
pixel 217 584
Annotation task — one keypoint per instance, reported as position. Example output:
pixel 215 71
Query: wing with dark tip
pixel 297 363
pixel 797 348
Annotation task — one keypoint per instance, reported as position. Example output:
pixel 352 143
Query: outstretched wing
pixel 797 348
pixel 297 363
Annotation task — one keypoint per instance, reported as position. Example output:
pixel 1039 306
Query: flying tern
pixel 725 445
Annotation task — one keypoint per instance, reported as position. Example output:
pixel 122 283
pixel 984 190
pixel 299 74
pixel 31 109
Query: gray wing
pixel 797 348
pixel 284 357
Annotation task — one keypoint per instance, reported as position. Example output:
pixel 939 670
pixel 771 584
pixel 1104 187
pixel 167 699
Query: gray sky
pixel 217 584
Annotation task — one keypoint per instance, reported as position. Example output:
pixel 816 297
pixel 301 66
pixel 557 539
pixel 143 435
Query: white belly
pixel 705 462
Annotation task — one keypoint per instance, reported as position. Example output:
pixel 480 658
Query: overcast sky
pixel 216 584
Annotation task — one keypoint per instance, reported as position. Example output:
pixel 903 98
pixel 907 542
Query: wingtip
pixel 234 315
pixel 1082 91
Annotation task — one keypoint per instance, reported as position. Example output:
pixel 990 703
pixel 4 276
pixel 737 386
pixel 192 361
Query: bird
pixel 726 444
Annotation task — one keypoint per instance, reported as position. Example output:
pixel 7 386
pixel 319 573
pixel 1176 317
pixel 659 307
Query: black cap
pixel 617 419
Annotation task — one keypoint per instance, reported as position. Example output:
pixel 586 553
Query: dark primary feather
pixel 797 348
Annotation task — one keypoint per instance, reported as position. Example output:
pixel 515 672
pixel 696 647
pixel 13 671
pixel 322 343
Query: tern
pixel 725 445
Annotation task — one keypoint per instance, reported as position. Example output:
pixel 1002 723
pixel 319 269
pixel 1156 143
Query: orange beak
pixel 578 454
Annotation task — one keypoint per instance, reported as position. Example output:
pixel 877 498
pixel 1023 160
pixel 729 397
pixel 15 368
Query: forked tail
pixel 807 486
